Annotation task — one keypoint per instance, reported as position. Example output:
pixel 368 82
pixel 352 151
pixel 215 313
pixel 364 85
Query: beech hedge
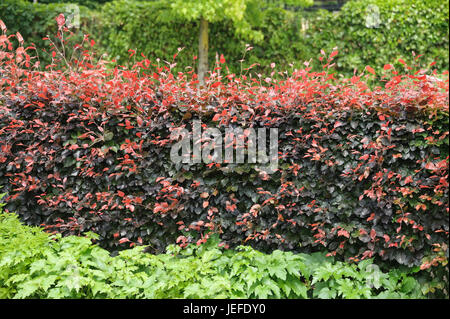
pixel 362 171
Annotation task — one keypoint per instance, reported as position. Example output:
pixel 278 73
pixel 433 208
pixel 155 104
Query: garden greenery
pixel 36 265
pixel 37 21
pixel 374 33
pixel 363 169
pixel 361 172
pixel 378 32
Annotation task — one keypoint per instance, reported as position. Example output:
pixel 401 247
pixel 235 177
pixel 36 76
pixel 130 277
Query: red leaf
pixel 369 69
pixel 408 180
pixel 337 124
pixel 19 38
pixel 181 238
pixel 60 20
pixel 123 240
pixel 431 166
pixel 2 26
pixel 421 206
pixel 364 157
pixel 216 117
pixel 343 232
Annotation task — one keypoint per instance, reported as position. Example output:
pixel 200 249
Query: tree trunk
pixel 203 51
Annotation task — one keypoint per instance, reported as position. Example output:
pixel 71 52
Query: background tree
pixel 243 13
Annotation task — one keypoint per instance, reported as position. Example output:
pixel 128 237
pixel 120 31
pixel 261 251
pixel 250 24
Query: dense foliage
pixel 35 265
pixel 120 21
pixel 367 32
pixel 362 173
pixel 377 32
pixel 372 33
pixel 36 21
pixel 87 3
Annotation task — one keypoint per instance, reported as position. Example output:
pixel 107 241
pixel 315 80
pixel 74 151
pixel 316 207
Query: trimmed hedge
pixel 34 265
pixel 397 29
pixel 377 32
pixel 149 28
pixel 289 37
pixel 86 3
pixel 362 173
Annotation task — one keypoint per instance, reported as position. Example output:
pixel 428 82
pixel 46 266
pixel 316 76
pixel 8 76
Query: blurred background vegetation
pixel 366 32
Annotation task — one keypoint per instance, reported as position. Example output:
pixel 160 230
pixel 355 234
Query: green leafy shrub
pixel 86 3
pixel 36 21
pixel 377 32
pixel 371 33
pixel 365 36
pixel 36 265
pixel 150 29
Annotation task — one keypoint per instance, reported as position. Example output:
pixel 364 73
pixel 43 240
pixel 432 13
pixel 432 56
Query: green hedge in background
pixel 36 21
pixel 86 3
pixel 378 32
pixel 145 27
pixel 374 32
